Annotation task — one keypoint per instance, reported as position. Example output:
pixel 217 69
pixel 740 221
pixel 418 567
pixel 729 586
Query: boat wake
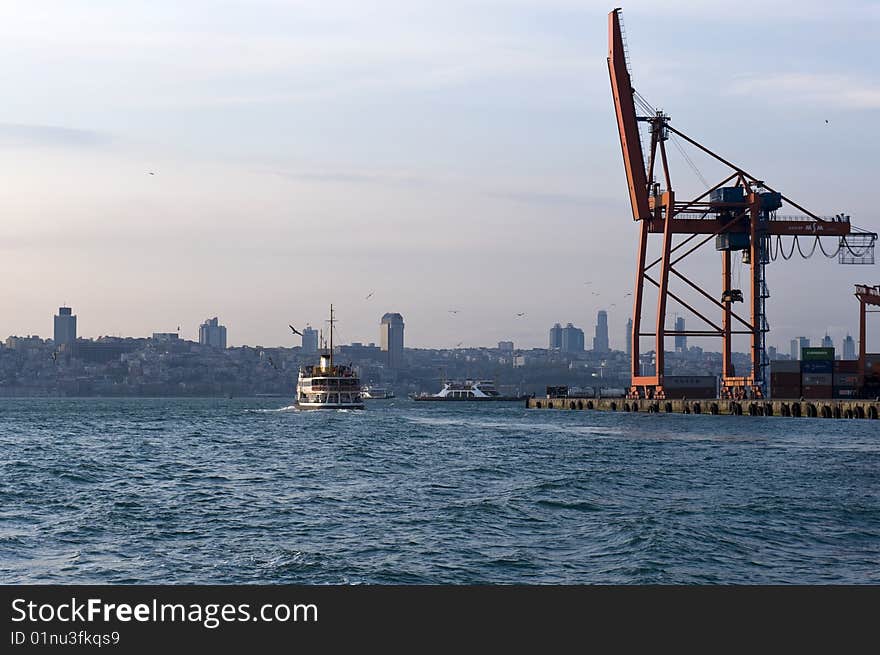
pixel 289 408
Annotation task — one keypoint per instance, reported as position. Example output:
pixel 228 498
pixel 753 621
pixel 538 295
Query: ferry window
pixel 334 397
pixel 470 394
pixel 344 398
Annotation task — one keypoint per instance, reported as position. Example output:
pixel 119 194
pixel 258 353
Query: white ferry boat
pixel 469 390
pixel 377 393
pixel 328 385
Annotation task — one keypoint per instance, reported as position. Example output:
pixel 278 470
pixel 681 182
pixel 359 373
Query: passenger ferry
pixel 469 390
pixel 377 393
pixel 328 385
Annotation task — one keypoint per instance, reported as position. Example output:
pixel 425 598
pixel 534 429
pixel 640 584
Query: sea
pixel 245 491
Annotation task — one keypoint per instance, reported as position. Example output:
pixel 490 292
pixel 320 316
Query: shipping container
pixel 817 353
pixel 817 366
pixel 785 379
pixel 785 366
pixel 696 381
pixel 846 379
pixel 846 366
pixel 817 391
pixel 844 392
pixel 816 379
pixel 690 392
pixel 785 392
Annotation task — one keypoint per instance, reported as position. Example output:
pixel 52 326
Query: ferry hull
pixel 329 405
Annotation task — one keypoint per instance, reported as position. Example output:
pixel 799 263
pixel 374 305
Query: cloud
pixel 47 135
pixel 818 89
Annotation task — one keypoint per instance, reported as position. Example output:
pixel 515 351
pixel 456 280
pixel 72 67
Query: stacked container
pixel 690 386
pixel 817 372
pixel 846 379
pixel 785 378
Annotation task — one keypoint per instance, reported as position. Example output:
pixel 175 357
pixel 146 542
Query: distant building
pixel 827 342
pixel 629 336
pixel 849 348
pixel 211 333
pixel 600 340
pixel 65 327
pixel 681 340
pixel 391 338
pixel 309 341
pixel 797 345
pixel 505 346
pixel 572 339
pixel 165 337
pixel 556 337
pixel 771 353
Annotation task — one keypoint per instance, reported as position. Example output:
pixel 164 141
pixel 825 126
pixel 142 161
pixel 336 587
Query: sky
pixel 460 156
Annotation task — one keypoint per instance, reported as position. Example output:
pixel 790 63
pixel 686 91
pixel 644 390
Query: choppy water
pixel 242 491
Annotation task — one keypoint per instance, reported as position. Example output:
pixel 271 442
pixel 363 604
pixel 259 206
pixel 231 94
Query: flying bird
pixel 520 314
pixel 459 343
pixel 627 294
pixel 295 331
pixel 826 121
pixel 152 173
pixel 453 311
pixel 369 295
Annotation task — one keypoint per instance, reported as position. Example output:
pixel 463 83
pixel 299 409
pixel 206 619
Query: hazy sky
pixel 442 155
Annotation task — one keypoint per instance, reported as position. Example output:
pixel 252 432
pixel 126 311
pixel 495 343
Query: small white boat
pixel 469 390
pixel 377 393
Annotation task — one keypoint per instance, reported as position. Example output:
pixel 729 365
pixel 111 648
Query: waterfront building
pixel 211 333
pixel 680 339
pixel 629 336
pixel 309 341
pixel 505 346
pixel 556 337
pixel 849 348
pixel 391 339
pixel 572 339
pixel 65 327
pixel 600 340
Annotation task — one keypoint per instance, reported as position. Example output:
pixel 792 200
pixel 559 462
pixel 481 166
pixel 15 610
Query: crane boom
pixel 621 86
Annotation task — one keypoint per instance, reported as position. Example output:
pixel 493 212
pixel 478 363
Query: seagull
pixel 826 121
pixel 369 295
pixel 152 173
pixel 459 343
pixel 627 294
pixel 520 314
pixel 614 304
pixel 295 331
pixel 453 311
pixel 178 328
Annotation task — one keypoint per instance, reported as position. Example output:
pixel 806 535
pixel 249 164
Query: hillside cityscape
pixel 164 364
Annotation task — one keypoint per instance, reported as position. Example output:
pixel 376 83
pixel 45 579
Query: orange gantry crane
pixel 740 213
pixel 867 295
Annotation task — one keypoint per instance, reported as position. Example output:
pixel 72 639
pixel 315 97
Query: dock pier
pixel 808 407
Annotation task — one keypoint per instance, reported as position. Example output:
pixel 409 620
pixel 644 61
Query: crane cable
pixel 779 250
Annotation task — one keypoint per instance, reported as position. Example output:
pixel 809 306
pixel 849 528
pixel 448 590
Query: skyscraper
pixel 572 339
pixel 827 342
pixel 629 336
pixel 556 337
pixel 849 348
pixel 65 327
pixel 797 345
pixel 211 333
pixel 681 340
pixel 391 339
pixel 309 341
pixel 600 341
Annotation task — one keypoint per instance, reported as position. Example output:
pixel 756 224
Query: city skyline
pixel 205 161
pixel 569 339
